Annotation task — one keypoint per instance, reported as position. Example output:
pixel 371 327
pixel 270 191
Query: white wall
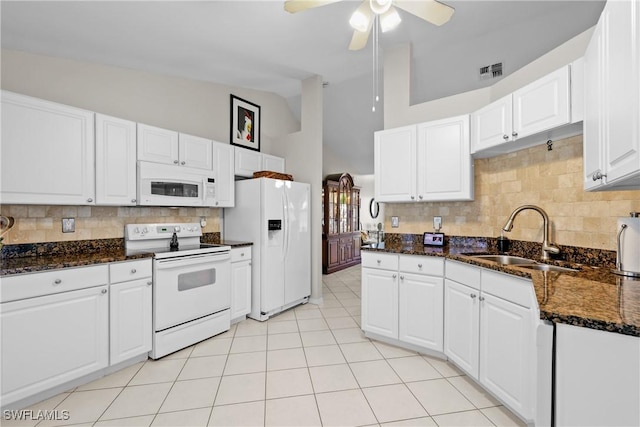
pixel 367 189
pixel 398 110
pixel 189 106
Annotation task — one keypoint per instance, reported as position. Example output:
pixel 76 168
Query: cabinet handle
pixel 89 200
pixel 401 277
pixel 175 162
pixel 104 291
pixel 394 276
pixel 599 175
pixel 242 254
pixel 473 296
pixel 379 261
pixel 149 283
pixel 419 265
pixel 216 203
pixel 413 198
pixel 183 163
pixel 505 137
pixel 133 271
pixel 57 282
pixel 514 134
pixel 420 197
pixel 481 298
pixel 133 200
pixel 249 263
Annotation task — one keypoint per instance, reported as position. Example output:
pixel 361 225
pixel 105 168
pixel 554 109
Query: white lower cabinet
pixel 493 332
pixel 130 318
pixel 50 340
pixel 240 283
pixel 402 299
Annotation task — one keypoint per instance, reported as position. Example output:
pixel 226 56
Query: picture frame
pixel 433 239
pixel 245 124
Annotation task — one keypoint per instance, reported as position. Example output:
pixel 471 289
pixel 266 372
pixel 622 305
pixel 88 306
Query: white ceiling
pixel 256 44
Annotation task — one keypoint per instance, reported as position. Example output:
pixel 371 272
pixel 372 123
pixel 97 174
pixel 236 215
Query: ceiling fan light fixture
pixel 380 6
pixel 389 20
pixel 359 21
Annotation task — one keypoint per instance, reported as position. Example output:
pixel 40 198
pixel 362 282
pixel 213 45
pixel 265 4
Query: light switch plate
pixel 395 222
pixel 68 225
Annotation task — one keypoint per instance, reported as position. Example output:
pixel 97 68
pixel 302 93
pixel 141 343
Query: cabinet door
pixel 542 105
pixel 380 302
pixel 421 310
pixel 247 162
pixel 47 152
pixel 240 289
pixel 333 252
pixel 195 152
pixel 223 170
pixel 461 326
pixel 48 341
pixel 622 85
pixel 445 167
pixel 356 241
pixel 395 164
pixel 130 320
pixel 492 125
pixel 595 95
pixel 272 163
pixel 157 145
pixel 115 161
pixel 505 352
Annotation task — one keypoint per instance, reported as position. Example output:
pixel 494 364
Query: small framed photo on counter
pixel 433 239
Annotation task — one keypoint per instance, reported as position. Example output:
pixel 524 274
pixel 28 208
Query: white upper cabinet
pixel 529 116
pixel 170 147
pixel 612 100
pixel 445 166
pixel 115 161
pixel 223 170
pixel 47 152
pixel 395 164
pixel 248 161
pixel 426 162
pixel 272 163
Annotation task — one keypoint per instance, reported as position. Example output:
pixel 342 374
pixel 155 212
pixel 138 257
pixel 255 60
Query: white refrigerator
pixel 274 215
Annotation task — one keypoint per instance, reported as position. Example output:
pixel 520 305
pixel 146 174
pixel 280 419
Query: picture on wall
pixel 245 123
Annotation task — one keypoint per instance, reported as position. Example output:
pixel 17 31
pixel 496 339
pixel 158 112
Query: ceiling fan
pixel 363 18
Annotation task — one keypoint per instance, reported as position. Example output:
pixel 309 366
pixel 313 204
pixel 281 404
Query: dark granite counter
pixel 591 297
pixel 34 257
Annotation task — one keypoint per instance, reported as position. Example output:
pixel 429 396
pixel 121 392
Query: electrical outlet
pixel 437 223
pixel 68 225
pixel 395 222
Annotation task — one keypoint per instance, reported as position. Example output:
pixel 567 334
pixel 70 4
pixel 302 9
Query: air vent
pixel 491 71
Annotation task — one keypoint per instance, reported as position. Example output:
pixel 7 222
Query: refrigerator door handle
pixel 286 222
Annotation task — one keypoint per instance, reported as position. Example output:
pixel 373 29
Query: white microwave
pixel 170 185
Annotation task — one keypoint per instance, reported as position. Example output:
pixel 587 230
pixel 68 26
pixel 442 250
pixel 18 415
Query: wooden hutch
pixel 340 225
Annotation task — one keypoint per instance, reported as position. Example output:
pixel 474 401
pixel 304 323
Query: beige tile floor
pixel 308 366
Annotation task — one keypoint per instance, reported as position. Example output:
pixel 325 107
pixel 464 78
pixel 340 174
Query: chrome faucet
pixel 547 247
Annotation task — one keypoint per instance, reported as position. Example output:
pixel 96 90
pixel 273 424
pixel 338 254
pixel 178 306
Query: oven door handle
pixel 166 264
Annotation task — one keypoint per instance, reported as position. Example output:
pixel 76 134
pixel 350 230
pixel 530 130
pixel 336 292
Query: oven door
pixel 187 288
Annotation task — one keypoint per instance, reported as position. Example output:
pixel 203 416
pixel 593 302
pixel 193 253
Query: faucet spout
pixel 547 248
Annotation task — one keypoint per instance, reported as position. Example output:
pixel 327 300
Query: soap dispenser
pixel 503 243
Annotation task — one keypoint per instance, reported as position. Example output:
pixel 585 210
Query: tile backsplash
pixel 42 223
pixel 551 180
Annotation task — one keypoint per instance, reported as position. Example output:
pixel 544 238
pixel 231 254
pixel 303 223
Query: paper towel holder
pixel 619 267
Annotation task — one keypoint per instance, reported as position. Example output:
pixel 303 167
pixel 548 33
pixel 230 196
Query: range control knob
pixel 176 229
pixel 136 230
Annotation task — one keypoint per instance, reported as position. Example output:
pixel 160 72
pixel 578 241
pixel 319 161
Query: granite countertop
pixel 52 256
pixel 591 297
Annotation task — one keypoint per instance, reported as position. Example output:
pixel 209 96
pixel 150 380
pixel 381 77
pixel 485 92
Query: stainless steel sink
pixel 547 267
pixel 505 259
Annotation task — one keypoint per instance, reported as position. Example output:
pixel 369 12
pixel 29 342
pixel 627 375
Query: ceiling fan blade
pixel 293 6
pixel 430 10
pixel 359 39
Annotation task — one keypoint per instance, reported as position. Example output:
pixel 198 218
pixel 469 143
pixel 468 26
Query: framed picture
pixel 245 123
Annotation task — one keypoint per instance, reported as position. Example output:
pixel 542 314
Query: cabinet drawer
pixel 510 288
pixel 463 273
pixel 380 260
pixel 130 270
pixel 52 282
pixel 241 254
pixel 433 266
